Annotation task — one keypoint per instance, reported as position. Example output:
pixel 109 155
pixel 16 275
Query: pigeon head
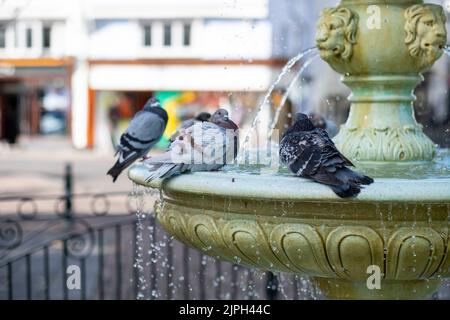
pixel 154 106
pixel 203 116
pixel 317 120
pixel 152 103
pixel 220 114
pixel 221 118
pixel 303 122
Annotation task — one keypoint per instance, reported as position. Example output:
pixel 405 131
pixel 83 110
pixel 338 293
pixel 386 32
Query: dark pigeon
pixel 144 131
pixel 195 148
pixel 310 153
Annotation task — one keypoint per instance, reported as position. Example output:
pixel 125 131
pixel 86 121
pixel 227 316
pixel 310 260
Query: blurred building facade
pixel 84 67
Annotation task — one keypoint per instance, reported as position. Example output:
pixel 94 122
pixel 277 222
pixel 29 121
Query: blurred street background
pixel 36 167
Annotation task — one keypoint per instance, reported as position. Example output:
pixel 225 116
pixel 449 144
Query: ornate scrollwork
pixel 387 144
pixel 249 242
pixel 10 234
pixel 425 33
pixel 22 212
pixel 81 244
pixel 336 33
pixel 326 251
pixel 351 249
pixel 174 223
pixel 414 253
pixel 100 204
pixel 301 248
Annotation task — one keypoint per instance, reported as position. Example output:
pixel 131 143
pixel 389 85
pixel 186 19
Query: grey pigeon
pixel 143 132
pixel 201 117
pixel 204 146
pixel 310 153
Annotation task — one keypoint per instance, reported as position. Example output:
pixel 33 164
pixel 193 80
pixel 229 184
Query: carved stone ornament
pixel 336 33
pixel 425 32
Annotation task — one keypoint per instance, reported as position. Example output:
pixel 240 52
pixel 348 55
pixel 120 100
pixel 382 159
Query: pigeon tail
pixel 118 167
pixel 347 175
pixel 114 172
pixel 344 182
pixel 347 190
pixel 165 170
pixel 351 182
pixel 365 180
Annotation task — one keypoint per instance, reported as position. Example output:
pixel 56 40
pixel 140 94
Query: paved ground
pixel 36 167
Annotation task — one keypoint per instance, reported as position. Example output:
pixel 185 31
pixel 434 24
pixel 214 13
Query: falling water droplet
pixel 266 98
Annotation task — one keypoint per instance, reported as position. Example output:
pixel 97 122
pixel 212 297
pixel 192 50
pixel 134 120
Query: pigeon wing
pixel 332 156
pixel 301 153
pixel 142 134
pixel 203 143
pixel 145 128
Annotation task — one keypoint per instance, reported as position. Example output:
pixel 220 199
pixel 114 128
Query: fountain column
pixel 381 48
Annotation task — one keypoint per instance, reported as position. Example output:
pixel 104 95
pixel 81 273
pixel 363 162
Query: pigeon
pixel 310 153
pixel 201 117
pixel 320 122
pixel 204 146
pixel 143 132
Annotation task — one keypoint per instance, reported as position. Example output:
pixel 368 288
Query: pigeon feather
pixel 309 152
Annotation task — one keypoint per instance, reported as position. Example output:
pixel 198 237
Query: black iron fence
pixel 76 246
pixel 38 252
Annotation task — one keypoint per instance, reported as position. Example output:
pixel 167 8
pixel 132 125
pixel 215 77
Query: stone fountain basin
pixel 288 224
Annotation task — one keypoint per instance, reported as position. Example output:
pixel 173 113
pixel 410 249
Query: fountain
pixel 398 226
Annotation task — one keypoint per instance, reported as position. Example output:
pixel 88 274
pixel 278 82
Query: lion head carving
pixel 336 33
pixel 425 32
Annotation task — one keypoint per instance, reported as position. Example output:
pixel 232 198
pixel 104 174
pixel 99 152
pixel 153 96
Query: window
pixel 147 35
pixel 46 37
pixel 15 38
pixel 29 37
pixel 2 37
pixel 187 34
pixel 167 34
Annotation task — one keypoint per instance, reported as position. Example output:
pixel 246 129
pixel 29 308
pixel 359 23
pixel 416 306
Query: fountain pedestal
pixel 398 228
pixel 381 47
pixel 381 124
